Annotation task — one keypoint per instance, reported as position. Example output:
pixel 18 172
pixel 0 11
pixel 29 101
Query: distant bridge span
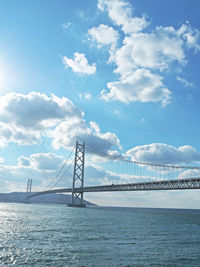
pixel 154 173
pixel 178 184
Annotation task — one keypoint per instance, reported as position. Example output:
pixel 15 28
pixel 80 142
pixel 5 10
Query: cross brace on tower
pixel 78 176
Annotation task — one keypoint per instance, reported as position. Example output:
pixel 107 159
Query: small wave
pixel 126 243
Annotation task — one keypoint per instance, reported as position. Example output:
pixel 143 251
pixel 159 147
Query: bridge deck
pixel 178 184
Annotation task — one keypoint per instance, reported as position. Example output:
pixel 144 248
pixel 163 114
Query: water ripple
pixel 37 235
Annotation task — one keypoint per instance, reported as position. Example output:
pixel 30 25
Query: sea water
pixel 53 235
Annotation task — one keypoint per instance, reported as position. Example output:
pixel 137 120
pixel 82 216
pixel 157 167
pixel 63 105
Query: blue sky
pixel 120 74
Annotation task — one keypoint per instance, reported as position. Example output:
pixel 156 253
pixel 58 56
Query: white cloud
pixel 67 132
pixel 24 161
pixel 79 64
pixel 31 115
pixel 35 110
pixel 156 50
pixel 87 96
pixel 16 134
pixel 141 85
pixel 195 173
pixel 121 13
pixel 163 48
pixel 149 50
pixel 34 116
pixel 184 81
pixel 158 153
pixel 190 35
pixel 95 126
pixel 41 167
pixel 66 25
pixel 104 35
pixel 41 161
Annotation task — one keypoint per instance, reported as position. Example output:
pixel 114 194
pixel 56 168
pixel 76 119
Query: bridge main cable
pixel 54 182
pixel 122 158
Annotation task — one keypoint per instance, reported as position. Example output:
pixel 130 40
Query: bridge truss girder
pixel 179 184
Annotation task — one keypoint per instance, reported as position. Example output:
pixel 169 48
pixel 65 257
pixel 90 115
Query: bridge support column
pixel 78 176
pixel 28 191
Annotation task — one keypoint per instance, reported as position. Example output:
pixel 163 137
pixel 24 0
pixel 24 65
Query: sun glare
pixel 2 76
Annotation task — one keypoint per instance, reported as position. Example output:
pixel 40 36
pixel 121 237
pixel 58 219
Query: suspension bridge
pixel 116 173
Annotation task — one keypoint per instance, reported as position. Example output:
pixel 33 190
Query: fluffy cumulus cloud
pixel 24 161
pixel 194 173
pixel 164 154
pixel 34 116
pixel 31 115
pixel 191 36
pixel 143 56
pixel 121 13
pixel 79 64
pixel 35 110
pixel 141 85
pixel 41 167
pixel 104 35
pixel 41 161
pixel 150 50
pixel 67 132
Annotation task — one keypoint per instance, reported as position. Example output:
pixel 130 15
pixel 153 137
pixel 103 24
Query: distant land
pixel 19 197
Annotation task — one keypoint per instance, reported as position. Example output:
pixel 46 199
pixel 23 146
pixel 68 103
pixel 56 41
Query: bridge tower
pixel 78 176
pixel 28 190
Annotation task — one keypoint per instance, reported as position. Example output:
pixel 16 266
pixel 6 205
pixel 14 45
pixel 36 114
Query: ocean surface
pixel 53 235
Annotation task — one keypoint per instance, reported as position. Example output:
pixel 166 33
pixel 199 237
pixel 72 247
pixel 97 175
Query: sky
pixel 121 76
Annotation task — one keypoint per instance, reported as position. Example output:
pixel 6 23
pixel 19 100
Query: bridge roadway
pixel 178 184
